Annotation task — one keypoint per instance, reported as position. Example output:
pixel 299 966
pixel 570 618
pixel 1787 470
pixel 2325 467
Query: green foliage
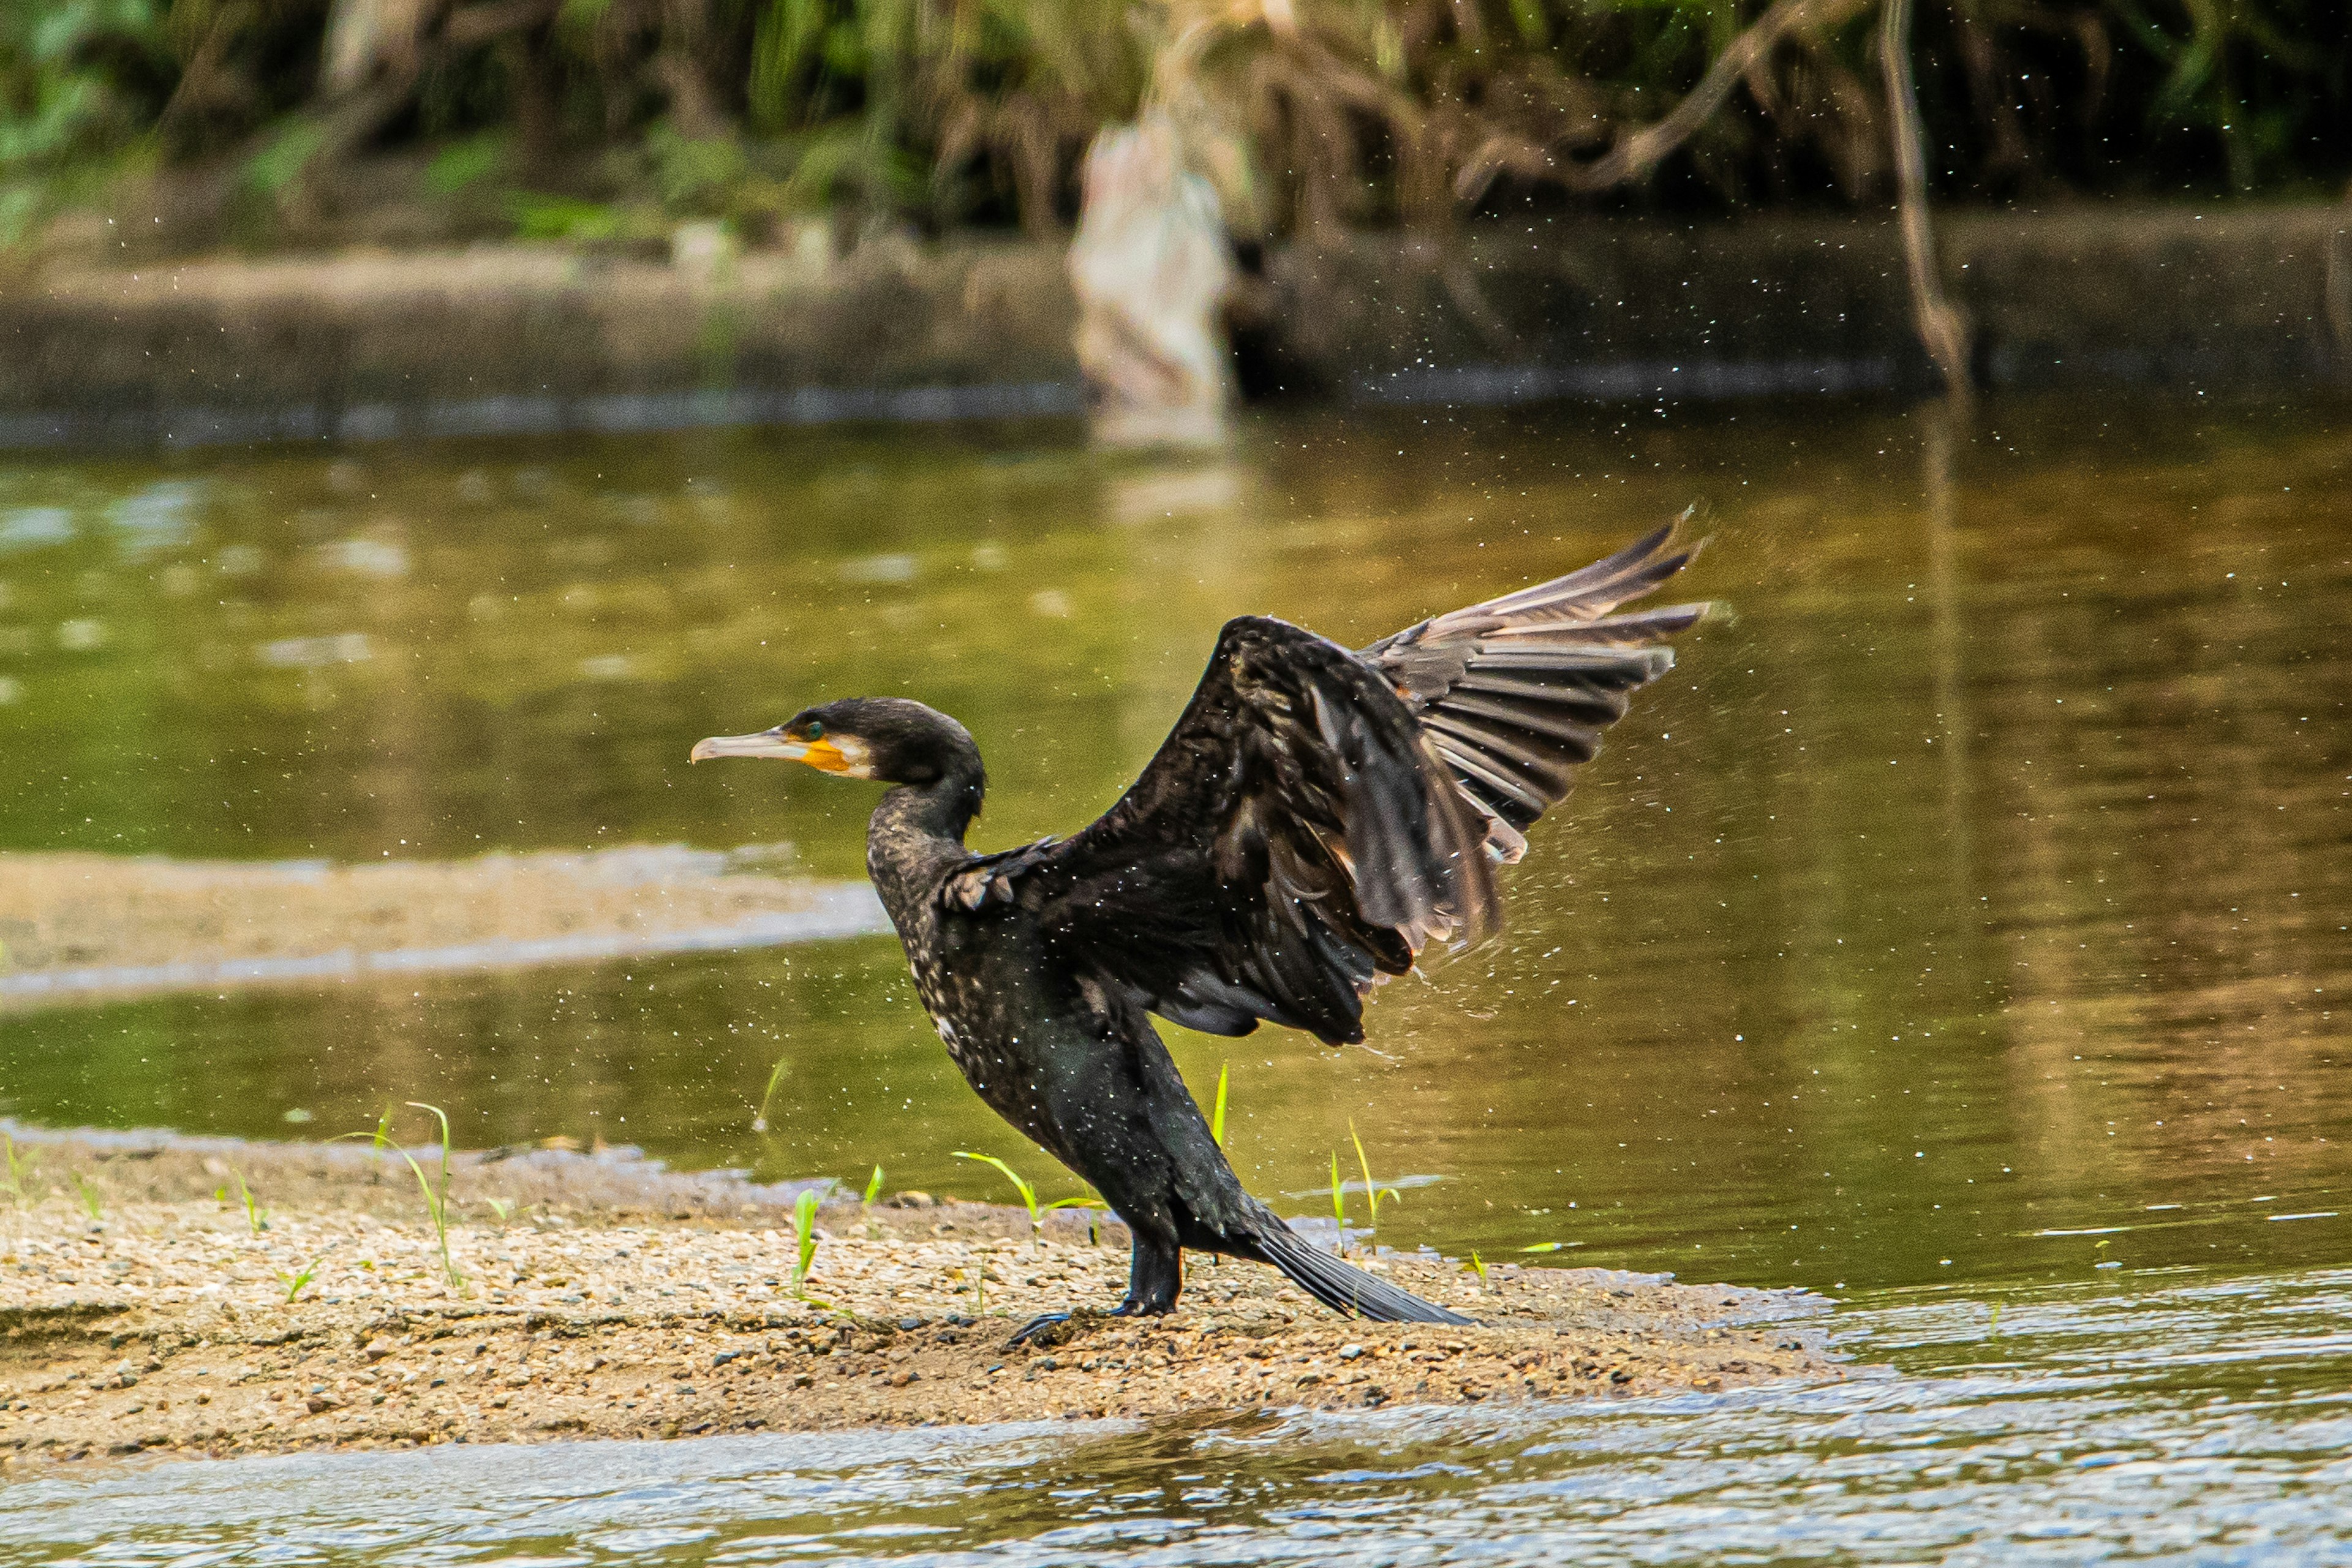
pixel 68 78
pixel 1352 111
pixel 461 165
pixel 92 1198
pixel 873 1187
pixel 283 158
pixel 1217 1116
pixel 538 216
pixel 695 176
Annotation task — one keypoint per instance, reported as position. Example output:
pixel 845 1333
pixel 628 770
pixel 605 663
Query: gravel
pixel 589 1310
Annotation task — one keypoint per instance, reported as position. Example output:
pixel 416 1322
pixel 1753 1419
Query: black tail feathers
pixel 1342 1286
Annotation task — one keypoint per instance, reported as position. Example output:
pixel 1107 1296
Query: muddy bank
pixel 596 1295
pixel 78 926
pixel 180 352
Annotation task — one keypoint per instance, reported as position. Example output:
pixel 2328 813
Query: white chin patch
pixel 858 754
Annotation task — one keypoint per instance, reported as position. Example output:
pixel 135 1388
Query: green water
pixel 1980 874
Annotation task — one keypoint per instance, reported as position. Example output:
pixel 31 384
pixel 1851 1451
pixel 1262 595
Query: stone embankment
pixel 147 1307
pixel 126 349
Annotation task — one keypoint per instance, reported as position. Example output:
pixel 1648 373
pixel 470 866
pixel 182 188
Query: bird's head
pixel 885 738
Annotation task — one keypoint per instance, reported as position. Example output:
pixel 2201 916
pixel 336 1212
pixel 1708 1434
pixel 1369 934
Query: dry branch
pixel 1637 155
pixel 1941 326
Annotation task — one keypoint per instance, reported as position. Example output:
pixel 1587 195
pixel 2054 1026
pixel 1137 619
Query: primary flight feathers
pixel 1316 815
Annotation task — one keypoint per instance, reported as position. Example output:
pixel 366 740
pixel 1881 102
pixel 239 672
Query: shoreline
pixel 602 1296
pixel 79 928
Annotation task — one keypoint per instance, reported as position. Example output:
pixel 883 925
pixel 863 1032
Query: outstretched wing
pixel 1316 815
pixel 1296 836
pixel 1514 693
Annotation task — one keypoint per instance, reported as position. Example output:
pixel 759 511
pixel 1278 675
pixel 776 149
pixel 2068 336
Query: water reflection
pixel 1979 881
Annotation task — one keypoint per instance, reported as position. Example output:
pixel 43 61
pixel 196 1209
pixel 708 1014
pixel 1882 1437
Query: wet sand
pixel 79 926
pixel 601 1296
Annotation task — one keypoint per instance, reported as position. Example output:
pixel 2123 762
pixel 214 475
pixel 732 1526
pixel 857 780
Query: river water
pixel 1964 923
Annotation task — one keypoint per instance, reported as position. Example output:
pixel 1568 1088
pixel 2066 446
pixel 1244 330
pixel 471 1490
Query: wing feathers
pixel 1516 691
pixel 1315 817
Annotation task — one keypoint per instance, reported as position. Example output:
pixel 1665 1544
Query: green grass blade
pixel 1028 1194
pixel 1338 1204
pixel 1373 1192
pixel 804 1234
pixel 1217 1117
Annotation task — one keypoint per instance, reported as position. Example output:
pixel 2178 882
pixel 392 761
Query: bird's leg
pixel 1154 1278
pixel 1153 1282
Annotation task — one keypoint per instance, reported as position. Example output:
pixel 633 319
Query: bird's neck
pixel 916 833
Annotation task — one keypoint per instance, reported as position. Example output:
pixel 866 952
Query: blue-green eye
pixel 816 731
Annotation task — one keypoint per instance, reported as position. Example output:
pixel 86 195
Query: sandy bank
pixel 79 926
pixel 604 1297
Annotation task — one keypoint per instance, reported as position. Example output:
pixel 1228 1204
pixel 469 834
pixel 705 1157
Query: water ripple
pixel 2179 1419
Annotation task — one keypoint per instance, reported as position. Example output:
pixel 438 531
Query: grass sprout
pixel 1028 1194
pixel 1038 1211
pixel 436 1200
pixel 18 1168
pixel 873 1187
pixel 1338 1204
pixel 296 1283
pixel 257 1218
pixel 92 1198
pixel 1478 1266
pixel 502 1207
pixel 1373 1191
pixel 1217 1116
pixel 804 1241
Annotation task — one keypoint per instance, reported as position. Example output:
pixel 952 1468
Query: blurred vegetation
pixel 608 119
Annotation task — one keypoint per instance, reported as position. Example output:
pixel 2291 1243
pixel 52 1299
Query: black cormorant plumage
pixel 1316 817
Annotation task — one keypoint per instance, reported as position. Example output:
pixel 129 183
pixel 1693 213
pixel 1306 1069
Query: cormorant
pixel 1314 819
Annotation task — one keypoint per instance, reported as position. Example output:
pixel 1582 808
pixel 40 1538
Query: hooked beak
pixel 822 755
